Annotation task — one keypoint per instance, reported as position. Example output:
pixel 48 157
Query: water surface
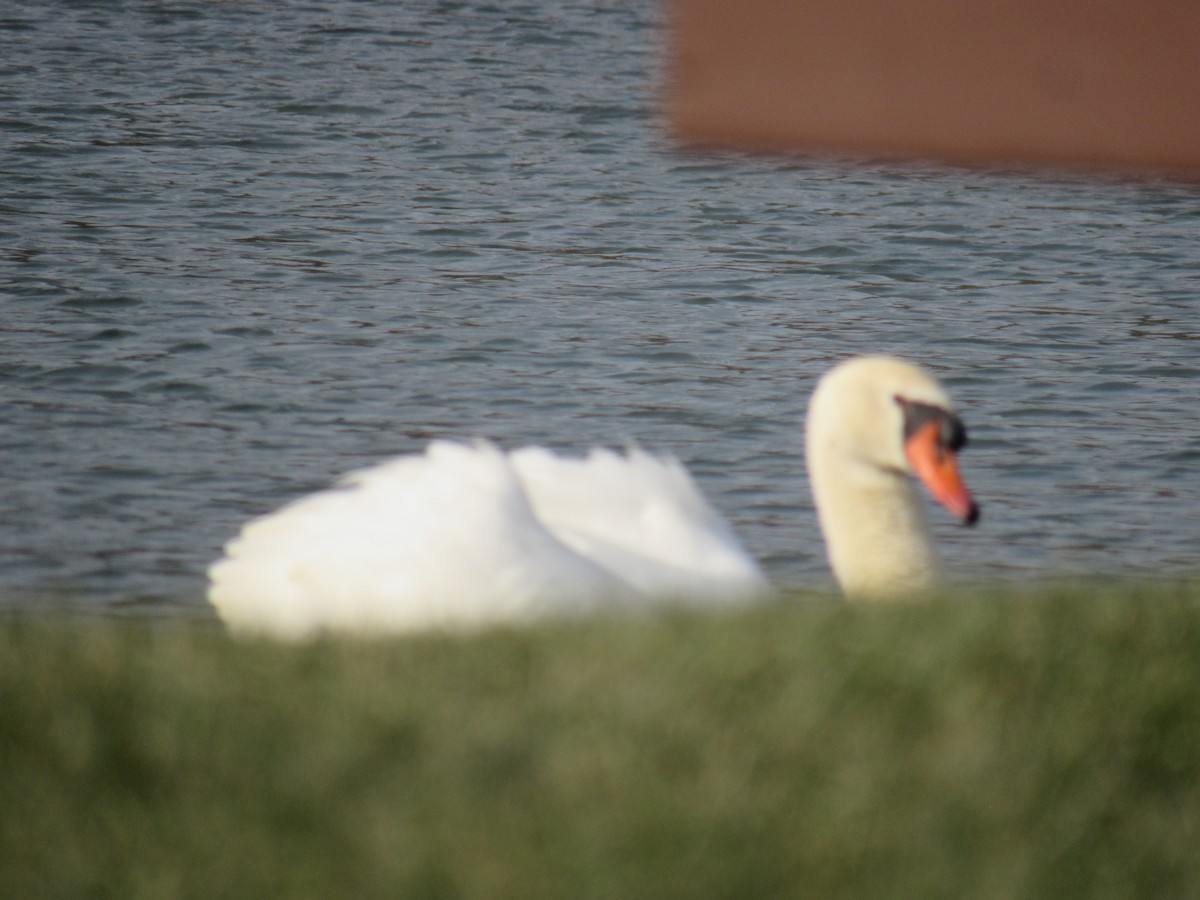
pixel 245 247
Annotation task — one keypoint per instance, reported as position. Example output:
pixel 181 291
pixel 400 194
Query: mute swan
pixel 466 534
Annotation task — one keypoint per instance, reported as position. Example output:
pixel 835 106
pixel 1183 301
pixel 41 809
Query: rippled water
pixel 245 247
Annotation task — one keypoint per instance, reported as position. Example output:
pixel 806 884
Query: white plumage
pixel 467 535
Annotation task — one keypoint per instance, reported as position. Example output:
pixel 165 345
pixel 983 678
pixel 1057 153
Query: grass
pixel 1002 746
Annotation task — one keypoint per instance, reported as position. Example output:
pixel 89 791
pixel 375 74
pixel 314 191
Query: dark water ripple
pixel 245 247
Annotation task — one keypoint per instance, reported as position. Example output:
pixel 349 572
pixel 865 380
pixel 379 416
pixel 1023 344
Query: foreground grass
pixel 1000 747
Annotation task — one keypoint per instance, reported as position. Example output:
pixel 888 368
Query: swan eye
pixel 952 434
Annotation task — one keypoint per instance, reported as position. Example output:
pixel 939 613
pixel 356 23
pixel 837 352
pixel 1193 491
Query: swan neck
pixel 876 534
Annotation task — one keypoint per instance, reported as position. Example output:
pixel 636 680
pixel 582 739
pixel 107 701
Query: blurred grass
pixel 1006 745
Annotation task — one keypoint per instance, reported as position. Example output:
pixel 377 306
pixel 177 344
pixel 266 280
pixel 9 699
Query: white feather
pixel 467 535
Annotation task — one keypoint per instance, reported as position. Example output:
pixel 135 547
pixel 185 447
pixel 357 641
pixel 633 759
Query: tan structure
pixel 1111 83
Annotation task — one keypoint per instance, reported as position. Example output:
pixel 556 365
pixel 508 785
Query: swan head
pixel 874 424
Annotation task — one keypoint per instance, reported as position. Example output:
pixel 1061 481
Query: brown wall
pixel 1069 82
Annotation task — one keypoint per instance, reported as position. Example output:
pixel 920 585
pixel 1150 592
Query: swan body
pixel 467 535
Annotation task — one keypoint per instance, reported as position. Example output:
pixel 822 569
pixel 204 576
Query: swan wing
pixel 446 538
pixel 642 516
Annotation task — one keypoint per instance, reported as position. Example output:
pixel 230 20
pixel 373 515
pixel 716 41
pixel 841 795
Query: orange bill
pixel 937 467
